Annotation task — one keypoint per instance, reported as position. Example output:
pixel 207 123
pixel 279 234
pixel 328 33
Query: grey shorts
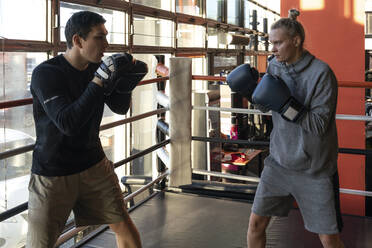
pixel 317 199
pixel 94 196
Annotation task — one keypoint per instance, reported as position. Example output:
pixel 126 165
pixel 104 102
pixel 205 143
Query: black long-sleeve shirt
pixel 68 110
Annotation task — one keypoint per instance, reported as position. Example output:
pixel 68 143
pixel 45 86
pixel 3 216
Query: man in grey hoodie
pixel 301 90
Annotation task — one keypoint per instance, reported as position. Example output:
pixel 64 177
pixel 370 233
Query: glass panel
pixel 248 8
pixel 272 4
pixel 215 10
pixel 271 18
pixel 153 31
pixel 261 44
pixel 261 14
pixel 113 139
pixel 233 11
pixel 16 130
pixel 17 68
pixel 220 61
pixel 191 35
pixel 115 21
pixel 159 4
pixel 250 60
pixel 199 67
pixel 13 191
pixel 25 24
pixel 368 23
pixel 143 131
pixel 217 38
pixel 192 7
pixel 116 141
pixel 225 102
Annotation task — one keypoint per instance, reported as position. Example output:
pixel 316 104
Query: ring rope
pixel 255 111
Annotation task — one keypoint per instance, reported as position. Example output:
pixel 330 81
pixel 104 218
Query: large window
pixel 193 7
pixel 215 10
pixel 25 24
pixel 271 18
pixel 248 11
pixel 17 68
pixel 115 21
pixel 159 4
pixel 217 38
pixel 191 35
pixel 233 12
pixel 16 123
pixel 149 31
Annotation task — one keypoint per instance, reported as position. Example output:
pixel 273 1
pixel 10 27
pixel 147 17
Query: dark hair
pixel 291 25
pixel 80 23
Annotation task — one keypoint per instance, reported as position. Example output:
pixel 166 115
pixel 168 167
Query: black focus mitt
pixel 128 80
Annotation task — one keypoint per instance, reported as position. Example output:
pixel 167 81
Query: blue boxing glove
pixel 243 80
pixel 273 93
pixel 112 68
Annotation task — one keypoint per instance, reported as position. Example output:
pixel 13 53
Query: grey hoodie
pixel 310 145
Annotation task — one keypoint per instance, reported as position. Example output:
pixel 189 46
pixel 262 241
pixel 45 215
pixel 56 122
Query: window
pixel 159 4
pixel 25 24
pixel 216 38
pixel 248 9
pixel 152 31
pixel 233 12
pixel 115 21
pixel 18 67
pixel 271 18
pixel 191 35
pixel 250 60
pixel 220 61
pixel 191 7
pixel 368 23
pixel 215 9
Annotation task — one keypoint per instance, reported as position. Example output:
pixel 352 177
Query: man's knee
pixel 331 240
pixel 257 224
pixel 119 227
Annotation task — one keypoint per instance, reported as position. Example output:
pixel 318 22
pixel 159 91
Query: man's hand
pixel 111 69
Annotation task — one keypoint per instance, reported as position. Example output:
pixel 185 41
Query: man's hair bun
pixel 293 13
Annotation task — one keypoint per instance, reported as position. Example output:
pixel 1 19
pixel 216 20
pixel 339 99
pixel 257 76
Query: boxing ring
pixel 179 211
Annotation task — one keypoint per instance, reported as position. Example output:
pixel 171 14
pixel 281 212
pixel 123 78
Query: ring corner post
pixel 180 86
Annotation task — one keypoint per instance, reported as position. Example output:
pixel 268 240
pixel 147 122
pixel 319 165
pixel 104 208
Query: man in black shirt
pixel 70 170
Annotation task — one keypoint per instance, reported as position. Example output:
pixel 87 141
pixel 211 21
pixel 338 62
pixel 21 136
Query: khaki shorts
pixel 94 196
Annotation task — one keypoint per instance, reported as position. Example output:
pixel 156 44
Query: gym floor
pixel 183 220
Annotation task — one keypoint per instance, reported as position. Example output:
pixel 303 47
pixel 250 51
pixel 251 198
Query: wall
pixel 335 34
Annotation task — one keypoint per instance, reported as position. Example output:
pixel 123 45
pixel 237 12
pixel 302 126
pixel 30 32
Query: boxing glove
pixel 273 93
pixel 243 80
pixel 129 80
pixel 112 68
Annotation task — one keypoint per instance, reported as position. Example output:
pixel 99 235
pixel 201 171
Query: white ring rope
pixel 225 175
pixel 258 112
pixel 256 179
pixel 356 192
pixel 234 110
